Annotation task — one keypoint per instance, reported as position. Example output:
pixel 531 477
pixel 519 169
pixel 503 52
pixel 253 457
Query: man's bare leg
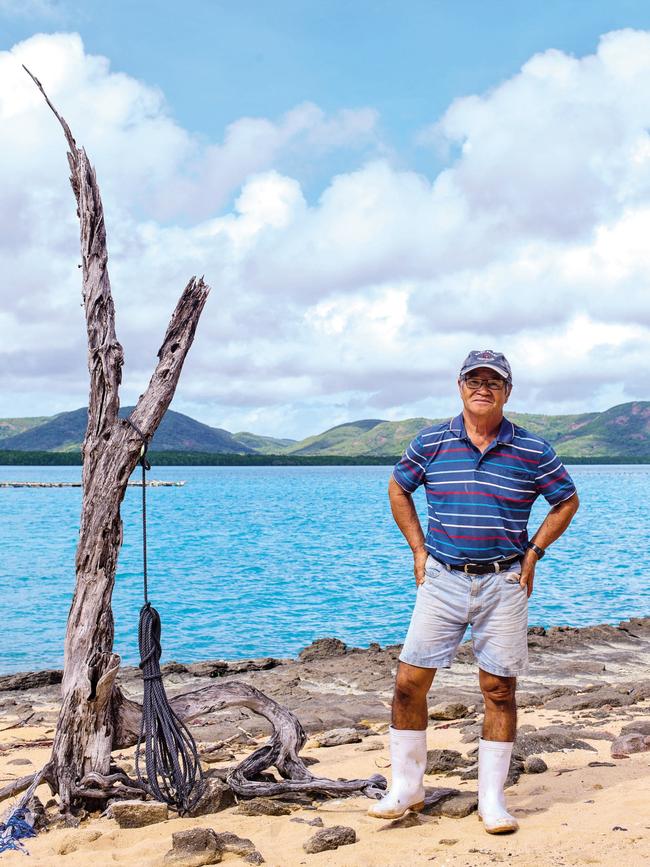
pixel 500 719
pixel 408 743
pixel 410 698
pixel 495 750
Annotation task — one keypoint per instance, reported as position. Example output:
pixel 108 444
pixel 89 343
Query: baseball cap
pixel 487 358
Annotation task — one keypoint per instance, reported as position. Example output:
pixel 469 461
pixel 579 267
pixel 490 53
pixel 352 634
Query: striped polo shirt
pixel 479 504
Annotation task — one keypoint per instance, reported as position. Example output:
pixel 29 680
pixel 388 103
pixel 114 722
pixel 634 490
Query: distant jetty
pixel 154 483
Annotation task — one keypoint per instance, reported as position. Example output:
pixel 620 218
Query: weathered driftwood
pixel 95 716
pixel 281 751
pixel 85 728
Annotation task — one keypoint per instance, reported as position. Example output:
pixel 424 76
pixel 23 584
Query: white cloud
pixel 363 303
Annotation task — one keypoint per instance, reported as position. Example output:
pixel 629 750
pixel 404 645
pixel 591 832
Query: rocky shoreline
pixel 331 685
pixel 585 701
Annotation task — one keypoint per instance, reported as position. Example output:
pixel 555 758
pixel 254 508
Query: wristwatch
pixel 539 551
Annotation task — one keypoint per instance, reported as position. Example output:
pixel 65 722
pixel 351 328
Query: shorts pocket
pixel 511 577
pixel 432 568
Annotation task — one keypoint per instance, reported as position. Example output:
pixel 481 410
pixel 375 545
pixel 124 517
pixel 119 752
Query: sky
pixel 371 190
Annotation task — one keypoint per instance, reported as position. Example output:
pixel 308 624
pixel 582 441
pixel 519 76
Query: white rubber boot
pixel 408 755
pixel 493 766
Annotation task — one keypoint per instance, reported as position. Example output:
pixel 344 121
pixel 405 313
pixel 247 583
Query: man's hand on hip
pixel 527 578
pixel 419 562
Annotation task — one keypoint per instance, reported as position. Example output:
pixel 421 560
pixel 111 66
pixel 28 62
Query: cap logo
pixel 487 354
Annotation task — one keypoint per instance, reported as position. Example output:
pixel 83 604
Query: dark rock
pixel 172 667
pixel 408 820
pixel 447 841
pixel 641 691
pixel 254 858
pixel 302 799
pixel 548 741
pixel 433 797
pixel 29 680
pixel 217 796
pixel 209 668
pixel 228 842
pixel 445 762
pixel 263 807
pixel 194 848
pixel 337 737
pixel 471 733
pixel 220 668
pixel 330 838
pixel 457 806
pixel 632 742
pixel 137 814
pixel 448 711
pixel 529 699
pixel 536 630
pixel 596 699
pixel 317 822
pixel 535 765
pixel 601 765
pixel 640 726
pixel 213 757
pixel 323 648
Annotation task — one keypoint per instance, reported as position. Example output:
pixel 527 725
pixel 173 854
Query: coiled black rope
pixel 172 766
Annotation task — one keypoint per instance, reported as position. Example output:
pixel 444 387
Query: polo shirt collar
pixel 505 435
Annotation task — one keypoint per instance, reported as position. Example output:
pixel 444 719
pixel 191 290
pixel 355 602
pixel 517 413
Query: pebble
pixel 535 765
pixel 263 807
pixel 138 814
pixel 330 838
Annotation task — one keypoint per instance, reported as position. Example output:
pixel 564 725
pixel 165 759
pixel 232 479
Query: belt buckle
pixel 497 567
pixel 466 569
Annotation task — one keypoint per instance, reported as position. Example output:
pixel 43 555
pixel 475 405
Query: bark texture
pixel 85 729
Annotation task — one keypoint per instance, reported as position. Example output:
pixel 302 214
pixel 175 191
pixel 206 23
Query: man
pixel 475 567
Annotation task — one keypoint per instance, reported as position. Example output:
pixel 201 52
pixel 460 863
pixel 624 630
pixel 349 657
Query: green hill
pixel 622 431
pixel 264 445
pixel 9 427
pixel 177 432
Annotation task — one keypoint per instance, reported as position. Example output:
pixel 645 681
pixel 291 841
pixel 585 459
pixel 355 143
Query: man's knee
pixel 412 683
pixel 498 690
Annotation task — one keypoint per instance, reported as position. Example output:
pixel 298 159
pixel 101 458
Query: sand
pixel 567 818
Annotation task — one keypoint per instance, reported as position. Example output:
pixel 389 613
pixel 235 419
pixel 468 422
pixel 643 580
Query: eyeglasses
pixel 493 384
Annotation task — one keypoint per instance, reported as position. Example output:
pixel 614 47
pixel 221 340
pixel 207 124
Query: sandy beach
pixel 584 689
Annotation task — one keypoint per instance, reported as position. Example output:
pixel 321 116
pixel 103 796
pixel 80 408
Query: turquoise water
pixel 260 561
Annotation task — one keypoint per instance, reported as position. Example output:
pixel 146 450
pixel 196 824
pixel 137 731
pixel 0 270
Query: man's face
pixel 483 400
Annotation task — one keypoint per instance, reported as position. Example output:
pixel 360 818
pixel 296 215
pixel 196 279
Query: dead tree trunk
pixel 95 717
pixel 85 728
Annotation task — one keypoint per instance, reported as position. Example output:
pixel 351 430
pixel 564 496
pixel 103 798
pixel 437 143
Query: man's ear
pixel 508 392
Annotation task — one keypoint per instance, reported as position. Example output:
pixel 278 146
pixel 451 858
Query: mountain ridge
pixel 620 431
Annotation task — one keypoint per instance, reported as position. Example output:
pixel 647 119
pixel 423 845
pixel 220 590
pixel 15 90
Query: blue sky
pixel 371 188
pixel 216 61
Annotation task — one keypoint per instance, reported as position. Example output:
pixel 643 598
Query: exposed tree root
pixel 22 783
pixel 281 751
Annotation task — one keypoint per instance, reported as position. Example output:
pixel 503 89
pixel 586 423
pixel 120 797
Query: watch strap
pixel 539 551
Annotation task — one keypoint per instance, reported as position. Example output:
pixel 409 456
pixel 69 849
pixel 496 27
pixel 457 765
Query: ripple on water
pixel 260 561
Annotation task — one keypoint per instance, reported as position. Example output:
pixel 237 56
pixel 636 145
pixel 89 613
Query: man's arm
pixel 554 524
pixel 406 518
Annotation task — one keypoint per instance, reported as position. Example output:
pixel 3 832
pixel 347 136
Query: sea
pixel 260 561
